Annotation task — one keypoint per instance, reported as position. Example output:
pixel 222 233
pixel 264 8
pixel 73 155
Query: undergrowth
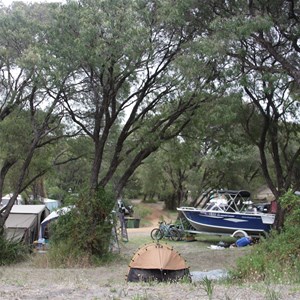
pixel 12 252
pixel 276 258
pixel 82 236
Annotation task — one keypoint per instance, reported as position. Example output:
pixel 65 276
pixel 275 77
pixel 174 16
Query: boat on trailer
pixel 226 213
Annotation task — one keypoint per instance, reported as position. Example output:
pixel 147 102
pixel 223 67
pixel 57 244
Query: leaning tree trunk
pixel 280 217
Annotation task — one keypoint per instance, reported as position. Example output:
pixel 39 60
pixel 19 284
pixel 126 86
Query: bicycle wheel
pixel 175 234
pixel 156 234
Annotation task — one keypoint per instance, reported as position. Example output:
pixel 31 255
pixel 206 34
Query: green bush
pixel 276 258
pixel 12 252
pixel 83 235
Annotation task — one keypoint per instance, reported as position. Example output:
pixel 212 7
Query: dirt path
pixel 157 212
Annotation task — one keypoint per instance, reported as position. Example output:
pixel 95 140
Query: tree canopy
pixel 207 86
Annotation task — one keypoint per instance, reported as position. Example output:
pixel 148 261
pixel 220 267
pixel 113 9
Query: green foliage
pixel 12 252
pixel 70 178
pixel 197 160
pixel 83 235
pixel 208 286
pixel 14 133
pixel 276 258
pixel 291 203
pixel 106 51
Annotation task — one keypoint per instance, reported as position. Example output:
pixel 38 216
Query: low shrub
pixel 12 252
pixel 276 258
pixel 82 236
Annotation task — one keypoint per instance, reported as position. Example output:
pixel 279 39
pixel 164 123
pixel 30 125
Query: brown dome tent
pixel 157 262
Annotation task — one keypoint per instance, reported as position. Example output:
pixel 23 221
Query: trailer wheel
pixel 239 234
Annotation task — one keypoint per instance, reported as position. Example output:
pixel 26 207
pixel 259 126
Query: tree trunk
pixel 5 168
pixel 171 201
pixel 280 217
pixel 5 213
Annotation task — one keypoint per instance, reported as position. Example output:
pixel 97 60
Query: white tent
pixel 5 199
pixel 51 203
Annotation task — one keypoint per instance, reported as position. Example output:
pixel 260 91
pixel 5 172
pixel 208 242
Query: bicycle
pixel 165 230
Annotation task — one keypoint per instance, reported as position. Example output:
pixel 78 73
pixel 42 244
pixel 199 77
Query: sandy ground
pixel 28 281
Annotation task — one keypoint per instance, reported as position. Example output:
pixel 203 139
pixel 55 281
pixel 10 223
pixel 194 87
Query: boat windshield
pixel 229 201
pixel 216 206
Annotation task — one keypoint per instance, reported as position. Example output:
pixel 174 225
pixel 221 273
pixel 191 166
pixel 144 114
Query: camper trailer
pixel 24 221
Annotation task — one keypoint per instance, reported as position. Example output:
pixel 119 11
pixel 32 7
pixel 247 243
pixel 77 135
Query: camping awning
pixel 55 214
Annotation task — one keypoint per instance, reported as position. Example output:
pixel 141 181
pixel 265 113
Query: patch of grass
pixel 151 200
pixel 186 279
pixel 271 294
pixel 12 252
pixel 214 239
pixel 60 256
pixel 208 287
pixel 40 260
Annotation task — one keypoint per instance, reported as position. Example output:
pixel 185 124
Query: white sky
pixel 8 2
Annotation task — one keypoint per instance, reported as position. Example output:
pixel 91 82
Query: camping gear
pixel 159 262
pixel 229 212
pixel 244 241
pixel 124 208
pixel 123 227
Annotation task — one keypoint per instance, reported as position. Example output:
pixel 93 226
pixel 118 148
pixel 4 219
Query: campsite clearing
pixel 28 281
pixel 34 280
